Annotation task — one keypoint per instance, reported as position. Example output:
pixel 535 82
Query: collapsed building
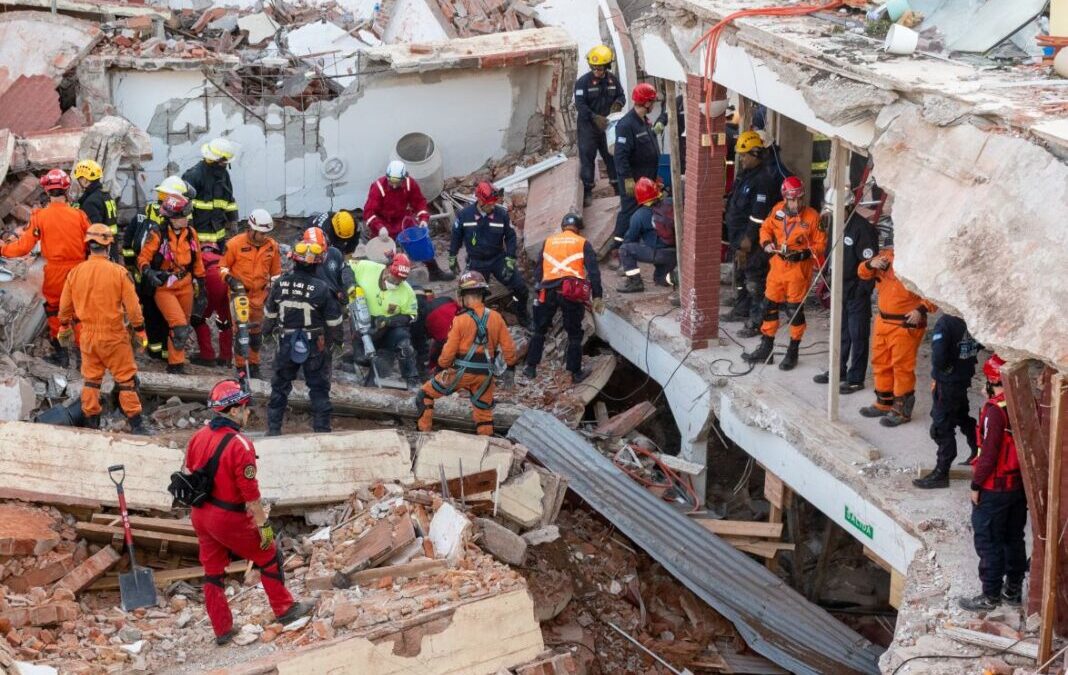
pixel 967 134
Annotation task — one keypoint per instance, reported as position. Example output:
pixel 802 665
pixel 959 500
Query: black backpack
pixel 193 489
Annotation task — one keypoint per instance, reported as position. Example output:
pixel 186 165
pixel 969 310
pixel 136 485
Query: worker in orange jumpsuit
pixel 251 262
pixel 100 295
pixel 477 333
pixel 899 330
pixel 61 230
pixel 232 523
pixel 171 263
pixel 793 236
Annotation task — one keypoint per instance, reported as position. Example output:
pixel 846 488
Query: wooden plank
pixel 874 557
pixel 143 538
pixel 897 588
pixel 469 485
pixel 998 642
pixel 166 577
pixel 839 174
pixel 627 421
pixel 1058 433
pixel 764 549
pixel 741 528
pixel 166 525
pixel 600 412
pixel 774 490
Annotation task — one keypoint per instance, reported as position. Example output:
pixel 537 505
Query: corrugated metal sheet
pixel 774 620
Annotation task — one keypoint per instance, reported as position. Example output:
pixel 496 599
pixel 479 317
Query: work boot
pixel 849 387
pixel 884 401
pixel 1012 594
pixel 822 378
pixel 225 638
pixel 873 411
pixel 633 284
pixel 438 274
pixel 60 356
pixel 587 200
pixel 979 603
pixel 901 413
pixel 92 421
pixel 790 360
pixel 579 376
pixel 176 368
pixel 254 371
pixel 762 353
pixel 938 478
pixel 748 332
pixel 296 611
pixel 530 372
pixel 137 425
pixel 661 282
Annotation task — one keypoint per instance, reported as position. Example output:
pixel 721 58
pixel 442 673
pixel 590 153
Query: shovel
pixel 137 588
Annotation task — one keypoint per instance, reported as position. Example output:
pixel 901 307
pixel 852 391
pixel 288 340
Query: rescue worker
pixel 650 238
pixel 636 154
pixel 860 241
pixel 486 233
pixel 309 315
pixel 396 203
pixel 60 228
pixel 793 236
pixel 232 523
pixel 252 262
pixel 133 238
pixel 754 191
pixel 393 307
pixel 468 359
pixel 218 306
pixel 100 296
pixel 96 200
pixel 566 276
pixel 333 269
pixel 339 228
pixel 899 330
pixel 214 205
pixel 999 511
pixel 440 313
pixel 953 360
pixel 598 94
pixel 170 262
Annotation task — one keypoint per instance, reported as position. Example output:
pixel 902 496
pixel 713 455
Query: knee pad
pixel 196 321
pixel 798 314
pixel 255 341
pixel 222 325
pixel 771 312
pixel 128 385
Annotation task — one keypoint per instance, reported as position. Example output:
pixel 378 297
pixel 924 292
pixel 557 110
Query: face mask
pixel 390 285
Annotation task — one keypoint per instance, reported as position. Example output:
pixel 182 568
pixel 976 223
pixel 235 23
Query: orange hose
pixel 673 478
pixel 712 35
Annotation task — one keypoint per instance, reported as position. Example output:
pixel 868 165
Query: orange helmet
pixel 992 369
pixel 485 193
pixel 311 249
pixel 56 179
pixel 400 266
pixel 643 94
pixel 793 188
pixel 99 233
pixel 646 191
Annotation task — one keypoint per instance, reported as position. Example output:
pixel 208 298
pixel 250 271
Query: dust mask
pixel 390 285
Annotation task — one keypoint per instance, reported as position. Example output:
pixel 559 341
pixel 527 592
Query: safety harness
pixel 469 362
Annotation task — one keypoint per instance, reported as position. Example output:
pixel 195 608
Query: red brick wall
pixel 702 219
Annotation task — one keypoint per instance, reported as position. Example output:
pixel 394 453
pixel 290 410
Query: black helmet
pixel 572 220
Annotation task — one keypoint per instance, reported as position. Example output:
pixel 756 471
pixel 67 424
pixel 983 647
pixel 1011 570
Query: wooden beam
pixel 764 549
pixel 147 539
pixel 165 525
pixel 830 539
pixel 897 588
pixel 998 642
pixel 166 577
pixel 741 528
pixel 1057 435
pixel 839 170
pixel 627 421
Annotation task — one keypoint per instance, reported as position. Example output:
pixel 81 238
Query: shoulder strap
pixel 212 467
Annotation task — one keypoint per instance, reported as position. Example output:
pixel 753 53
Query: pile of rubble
pixel 482 17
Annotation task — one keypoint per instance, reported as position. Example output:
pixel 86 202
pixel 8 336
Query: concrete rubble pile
pixel 481 17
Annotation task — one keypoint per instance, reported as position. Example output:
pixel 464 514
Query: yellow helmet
pixel 100 234
pixel 748 141
pixel 88 169
pixel 344 225
pixel 600 56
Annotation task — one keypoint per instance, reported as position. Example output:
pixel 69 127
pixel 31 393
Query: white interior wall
pixel 473 115
pixel 412 21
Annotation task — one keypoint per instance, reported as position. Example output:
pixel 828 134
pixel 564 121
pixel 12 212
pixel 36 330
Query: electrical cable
pixel 956 656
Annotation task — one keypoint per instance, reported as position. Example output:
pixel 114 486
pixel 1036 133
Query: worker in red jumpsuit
pixel 440 312
pixel 396 203
pixel 219 307
pixel 232 522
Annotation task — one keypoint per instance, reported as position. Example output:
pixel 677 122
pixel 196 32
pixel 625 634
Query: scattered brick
pixel 49 568
pixel 43 615
pixel 25 531
pixel 90 570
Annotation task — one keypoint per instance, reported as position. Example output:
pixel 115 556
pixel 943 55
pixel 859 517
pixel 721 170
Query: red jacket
pixel 388 207
pixel 235 481
pixel 439 318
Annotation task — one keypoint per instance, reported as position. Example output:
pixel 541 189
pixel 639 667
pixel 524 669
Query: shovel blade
pixel 137 589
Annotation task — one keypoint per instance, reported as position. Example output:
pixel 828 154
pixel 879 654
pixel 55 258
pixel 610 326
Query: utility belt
pixel 476 364
pixel 795 256
pixel 309 332
pixel 901 319
pixel 227 506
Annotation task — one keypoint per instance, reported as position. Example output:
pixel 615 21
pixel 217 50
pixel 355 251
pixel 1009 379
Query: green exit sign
pixel 865 528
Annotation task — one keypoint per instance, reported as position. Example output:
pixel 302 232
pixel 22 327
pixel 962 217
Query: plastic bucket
pixel 663 170
pixel 416 243
pixel 901 40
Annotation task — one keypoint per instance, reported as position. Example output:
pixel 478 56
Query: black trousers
pixel 856 336
pixel 592 142
pixel 663 259
pixel 949 412
pixel 572 314
pixel 155 325
pixel 998 522
pixel 316 370
pixel 627 206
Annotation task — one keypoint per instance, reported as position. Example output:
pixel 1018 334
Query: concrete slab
pixel 552 195
pixel 40 43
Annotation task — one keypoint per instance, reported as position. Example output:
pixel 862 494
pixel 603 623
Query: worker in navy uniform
pixel 636 154
pixel 487 236
pixel 953 359
pixel 340 228
pixel 309 315
pixel 598 94
pixel 754 192
pixel 650 238
pixel 860 242
pixel 999 511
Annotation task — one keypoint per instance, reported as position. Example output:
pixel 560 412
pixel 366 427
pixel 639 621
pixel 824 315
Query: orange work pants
pixel 106 349
pixel 893 360
pixel 175 303
pixel 55 276
pixel 255 336
pixel 786 288
pixel 481 412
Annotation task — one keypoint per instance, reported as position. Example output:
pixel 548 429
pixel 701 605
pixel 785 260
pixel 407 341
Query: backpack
pixel 193 489
pixel 135 233
pixel 664 221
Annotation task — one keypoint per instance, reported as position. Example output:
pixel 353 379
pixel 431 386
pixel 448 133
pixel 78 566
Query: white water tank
pixel 420 154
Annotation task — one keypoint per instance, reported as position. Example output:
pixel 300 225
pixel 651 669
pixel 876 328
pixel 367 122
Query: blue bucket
pixel 416 243
pixel 663 170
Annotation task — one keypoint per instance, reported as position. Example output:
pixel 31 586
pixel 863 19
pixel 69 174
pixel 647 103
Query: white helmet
pixel 396 170
pixel 218 149
pixel 172 185
pixel 260 221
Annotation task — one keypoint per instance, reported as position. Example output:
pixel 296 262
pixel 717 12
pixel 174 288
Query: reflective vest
pixel 1006 473
pixel 563 256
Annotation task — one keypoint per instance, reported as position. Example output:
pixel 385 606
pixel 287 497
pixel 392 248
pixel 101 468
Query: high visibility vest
pixel 563 256
pixel 1006 475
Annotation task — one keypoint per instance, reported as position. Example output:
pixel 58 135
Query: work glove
pixel 769 248
pixel 658 128
pixel 155 278
pixel 616 107
pixel 628 187
pixel 454 265
pixel 65 336
pixel 381 323
pixel 266 535
pixel 235 284
pixel 598 305
pixel 200 300
pixel 140 341
pixel 600 121
pixel 508 379
pixel 509 264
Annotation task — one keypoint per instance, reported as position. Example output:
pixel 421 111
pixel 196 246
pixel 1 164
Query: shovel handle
pixel 111 474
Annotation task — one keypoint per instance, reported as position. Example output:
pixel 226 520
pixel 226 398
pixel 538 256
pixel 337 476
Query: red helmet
pixel 793 188
pixel 485 193
pixel 176 206
pixel 643 94
pixel 646 191
pixel 56 179
pixel 400 266
pixel 992 369
pixel 226 394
